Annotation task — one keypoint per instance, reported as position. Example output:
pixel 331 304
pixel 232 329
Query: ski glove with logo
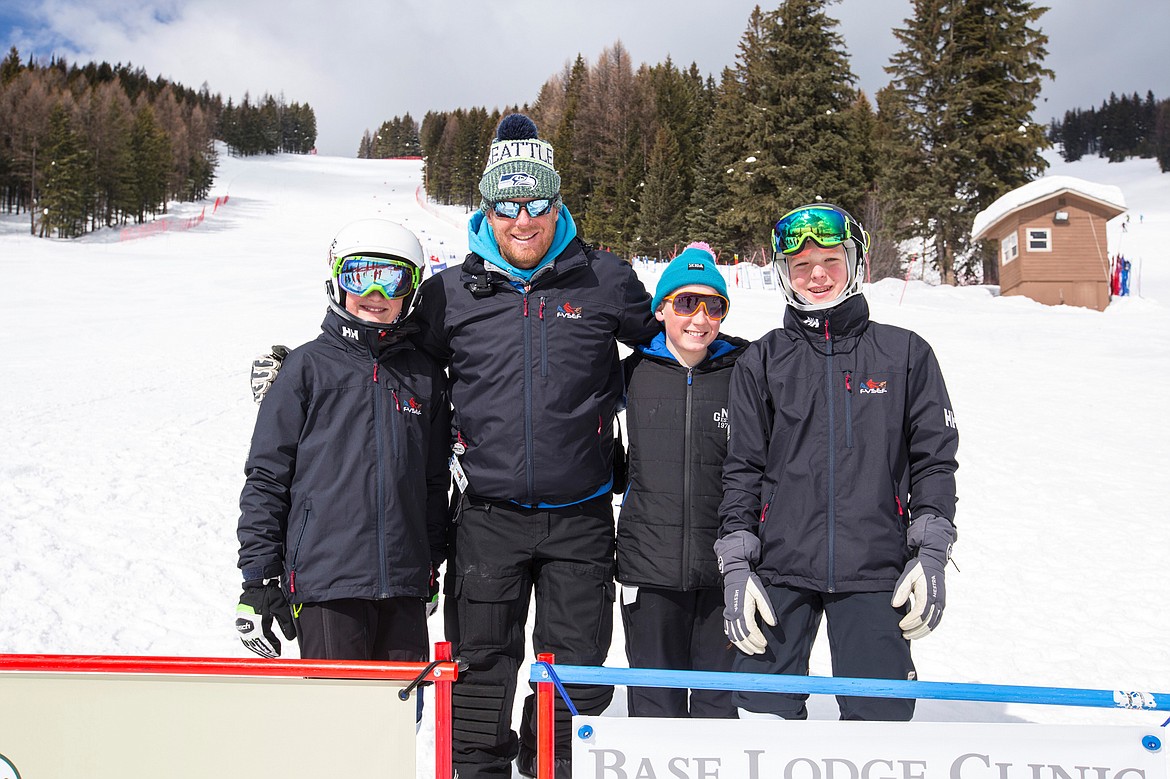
pixel 743 592
pixel 260 604
pixel 264 370
pixel 930 538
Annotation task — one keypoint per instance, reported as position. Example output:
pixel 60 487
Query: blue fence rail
pixel 870 688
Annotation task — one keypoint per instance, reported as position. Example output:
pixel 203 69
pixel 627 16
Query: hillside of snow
pixel 125 418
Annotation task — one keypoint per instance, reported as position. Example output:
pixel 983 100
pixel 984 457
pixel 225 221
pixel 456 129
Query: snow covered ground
pixel 125 418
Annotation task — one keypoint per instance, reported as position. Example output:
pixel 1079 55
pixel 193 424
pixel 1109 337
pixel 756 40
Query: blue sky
pixel 361 62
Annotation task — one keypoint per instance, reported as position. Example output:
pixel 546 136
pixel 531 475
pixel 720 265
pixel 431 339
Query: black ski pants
pixel 680 631
pixel 393 629
pixel 865 642
pixel 502 554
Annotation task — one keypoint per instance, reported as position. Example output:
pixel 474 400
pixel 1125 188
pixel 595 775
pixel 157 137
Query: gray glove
pixel 743 592
pixel 264 370
pixel 923 580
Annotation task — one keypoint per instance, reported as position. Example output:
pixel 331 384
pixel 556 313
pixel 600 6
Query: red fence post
pixel 443 714
pixel 545 728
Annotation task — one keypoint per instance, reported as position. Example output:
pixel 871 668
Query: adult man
pixel 527 326
pixel 839 481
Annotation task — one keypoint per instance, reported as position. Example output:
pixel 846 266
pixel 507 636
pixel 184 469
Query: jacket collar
pixel 848 319
pixel 364 340
pixel 717 353
pixel 475 271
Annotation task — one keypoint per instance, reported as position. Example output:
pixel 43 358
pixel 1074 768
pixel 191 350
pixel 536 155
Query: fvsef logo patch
pixel 568 311
pixel 871 387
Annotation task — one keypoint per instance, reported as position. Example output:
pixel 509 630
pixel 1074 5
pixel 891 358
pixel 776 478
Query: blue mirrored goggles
pixel 510 209
pixel 825 225
pixel 360 275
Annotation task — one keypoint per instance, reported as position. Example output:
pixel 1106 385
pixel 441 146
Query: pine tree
pixel 717 159
pixel 430 139
pixel 64 192
pixel 10 68
pixel 798 146
pixel 575 182
pixel 662 225
pixel 612 139
pixel 964 84
pixel 1161 142
pixel 151 153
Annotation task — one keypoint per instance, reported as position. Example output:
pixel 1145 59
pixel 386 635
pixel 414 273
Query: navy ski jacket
pixel 676 420
pixel 347 480
pixel 841 432
pixel 534 369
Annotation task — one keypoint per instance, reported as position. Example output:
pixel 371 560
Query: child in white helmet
pixel 344 508
pixel 839 481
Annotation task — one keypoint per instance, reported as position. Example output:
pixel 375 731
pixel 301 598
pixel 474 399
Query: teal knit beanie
pixel 693 265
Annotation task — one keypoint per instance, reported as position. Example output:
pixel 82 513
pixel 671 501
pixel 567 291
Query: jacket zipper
pixel 543 341
pixel 529 467
pixel 292 566
pixel 687 449
pixel 832 513
pixel 379 459
pixel 848 411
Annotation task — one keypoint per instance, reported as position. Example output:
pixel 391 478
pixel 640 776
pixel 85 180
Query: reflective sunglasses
pixel 688 304
pixel 360 276
pixel 510 209
pixel 825 225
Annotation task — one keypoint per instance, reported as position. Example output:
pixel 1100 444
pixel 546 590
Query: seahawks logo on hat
pixel 517 179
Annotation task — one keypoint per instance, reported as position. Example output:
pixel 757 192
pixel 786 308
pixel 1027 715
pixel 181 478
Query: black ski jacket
pixel 841 432
pixel 535 376
pixel 676 420
pixel 346 489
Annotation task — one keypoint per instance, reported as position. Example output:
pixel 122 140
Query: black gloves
pixel 260 603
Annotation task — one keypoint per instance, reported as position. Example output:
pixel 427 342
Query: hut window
pixel 1009 248
pixel 1039 239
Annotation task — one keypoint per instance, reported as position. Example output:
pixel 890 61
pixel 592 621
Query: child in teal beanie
pixel 676 418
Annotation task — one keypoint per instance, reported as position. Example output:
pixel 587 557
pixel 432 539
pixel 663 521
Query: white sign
pixel 117 726
pixel 613 748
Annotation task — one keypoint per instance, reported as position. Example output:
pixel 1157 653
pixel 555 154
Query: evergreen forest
pixel 86 147
pixel 654 156
pixel 1123 127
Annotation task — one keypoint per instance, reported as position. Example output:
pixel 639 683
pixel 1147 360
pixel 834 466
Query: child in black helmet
pixel 839 482
pixel 344 508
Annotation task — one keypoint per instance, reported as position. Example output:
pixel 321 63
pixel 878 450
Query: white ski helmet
pixel 377 239
pixel 828 226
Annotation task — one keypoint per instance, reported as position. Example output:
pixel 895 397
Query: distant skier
pixel 344 509
pixel 839 482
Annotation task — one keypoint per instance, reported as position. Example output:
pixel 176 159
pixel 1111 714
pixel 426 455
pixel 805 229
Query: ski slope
pixel 125 418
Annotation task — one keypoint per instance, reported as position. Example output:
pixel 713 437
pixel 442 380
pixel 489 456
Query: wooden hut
pixel 1052 242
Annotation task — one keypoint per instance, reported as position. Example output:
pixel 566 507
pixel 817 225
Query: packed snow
pixel 125 418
